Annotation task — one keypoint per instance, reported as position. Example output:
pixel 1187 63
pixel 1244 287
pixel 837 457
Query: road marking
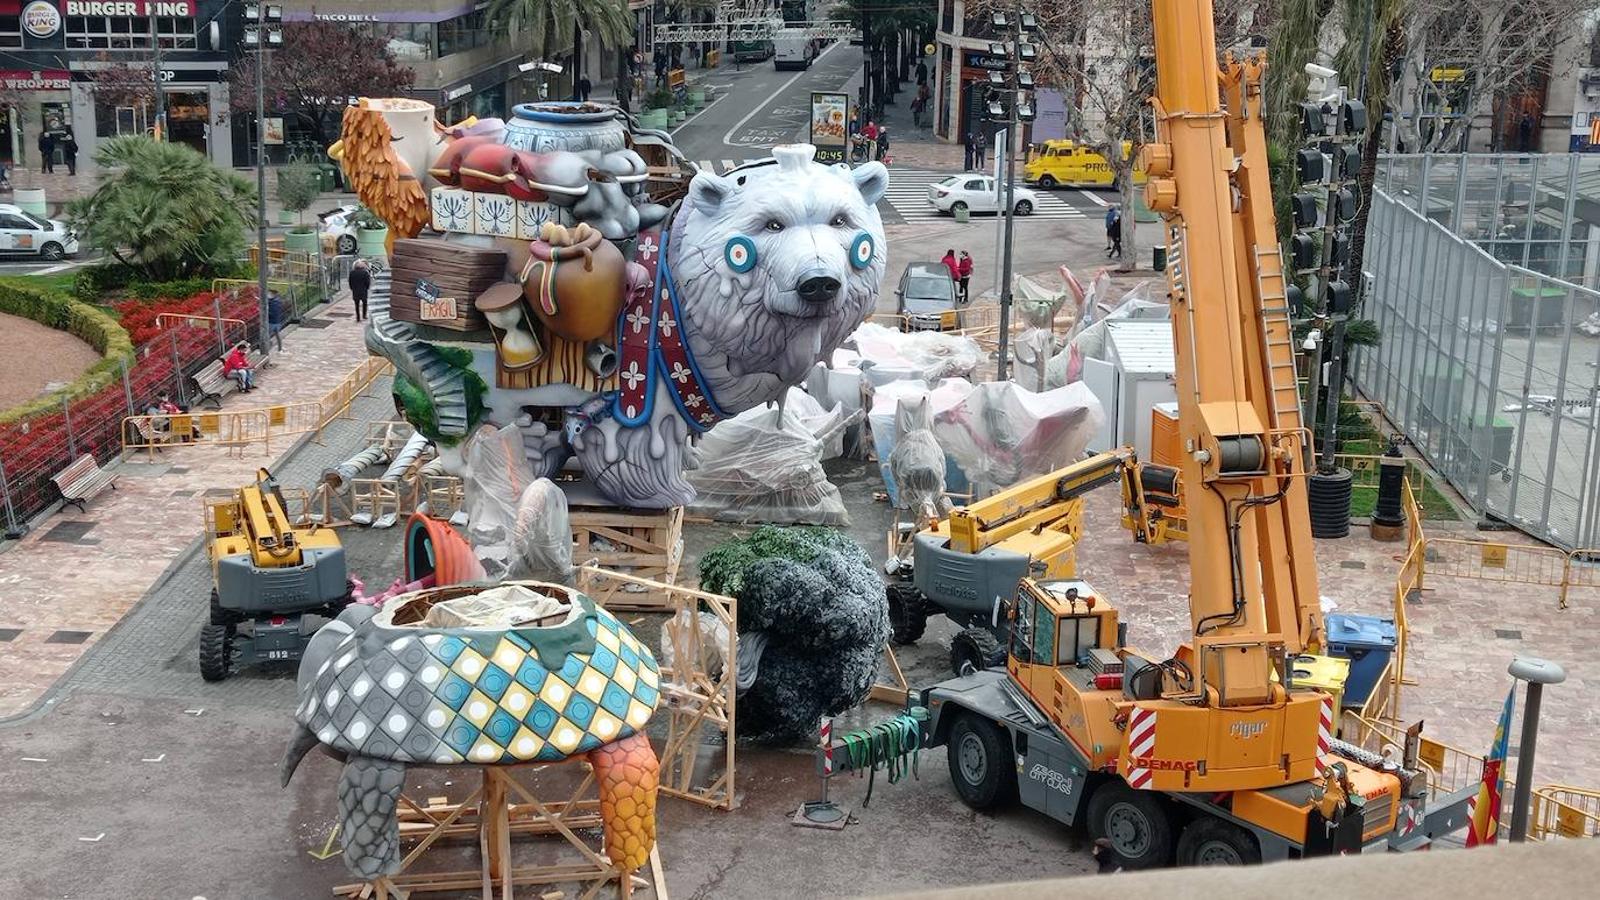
pixel 728 165
pixel 727 139
pixel 1096 198
pixel 714 102
pixel 706 166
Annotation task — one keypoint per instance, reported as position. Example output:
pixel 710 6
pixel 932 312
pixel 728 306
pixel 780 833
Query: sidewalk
pixel 75 576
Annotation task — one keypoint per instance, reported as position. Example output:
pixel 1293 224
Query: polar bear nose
pixel 818 288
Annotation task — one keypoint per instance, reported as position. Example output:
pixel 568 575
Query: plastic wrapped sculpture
pixel 384 688
pixel 614 331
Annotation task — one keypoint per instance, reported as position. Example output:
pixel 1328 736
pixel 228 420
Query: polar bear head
pixel 776 263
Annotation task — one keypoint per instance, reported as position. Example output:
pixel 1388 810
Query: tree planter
pixel 370 241
pixel 303 241
pixel 285 217
pixel 31 200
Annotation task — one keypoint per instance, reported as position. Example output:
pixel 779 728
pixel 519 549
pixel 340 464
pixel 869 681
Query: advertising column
pixel 830 116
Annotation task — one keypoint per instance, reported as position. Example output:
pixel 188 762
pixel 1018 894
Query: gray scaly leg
pixel 369 791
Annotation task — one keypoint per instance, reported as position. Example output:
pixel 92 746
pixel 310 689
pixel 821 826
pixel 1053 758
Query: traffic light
pixel 1303 250
pixel 1305 210
pixel 1337 296
pixel 1308 160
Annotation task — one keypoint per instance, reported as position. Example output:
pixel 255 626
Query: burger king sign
pixel 41 19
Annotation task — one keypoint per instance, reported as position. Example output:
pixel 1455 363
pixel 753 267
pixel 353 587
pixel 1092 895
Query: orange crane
pixel 1214 754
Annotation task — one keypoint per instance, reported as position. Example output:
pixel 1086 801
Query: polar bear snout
pixel 817 287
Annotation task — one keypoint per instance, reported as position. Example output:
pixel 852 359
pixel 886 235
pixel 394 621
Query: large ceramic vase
pixel 543 127
pixel 577 290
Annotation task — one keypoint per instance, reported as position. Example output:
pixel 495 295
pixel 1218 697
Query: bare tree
pixel 1463 54
pixel 1100 54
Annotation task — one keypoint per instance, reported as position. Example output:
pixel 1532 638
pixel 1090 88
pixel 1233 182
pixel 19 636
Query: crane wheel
pixel 974 650
pixel 216 652
pixel 907 617
pixel 1210 841
pixel 221 615
pixel 1136 823
pixel 979 754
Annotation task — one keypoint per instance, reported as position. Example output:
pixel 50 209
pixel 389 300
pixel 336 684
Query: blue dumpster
pixel 1368 642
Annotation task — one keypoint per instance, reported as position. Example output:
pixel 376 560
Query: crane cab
pixel 1064 655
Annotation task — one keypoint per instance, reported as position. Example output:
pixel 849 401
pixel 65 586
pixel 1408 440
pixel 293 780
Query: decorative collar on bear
pixel 654 348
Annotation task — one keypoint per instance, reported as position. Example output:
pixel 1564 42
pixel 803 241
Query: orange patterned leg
pixel 628 773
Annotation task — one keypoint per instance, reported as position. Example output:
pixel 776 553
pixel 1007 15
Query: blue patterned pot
pixel 543 127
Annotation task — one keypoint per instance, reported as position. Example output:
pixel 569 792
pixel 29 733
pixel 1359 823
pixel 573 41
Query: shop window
pixel 463 33
pixel 128 33
pixel 406 40
pixel 10 31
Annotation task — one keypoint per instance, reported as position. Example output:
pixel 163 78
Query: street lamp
pixel 1010 102
pixel 263 30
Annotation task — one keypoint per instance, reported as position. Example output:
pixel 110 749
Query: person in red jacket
pixel 950 263
pixel 964 270
pixel 237 366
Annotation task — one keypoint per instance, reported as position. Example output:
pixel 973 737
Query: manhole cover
pixel 1510 634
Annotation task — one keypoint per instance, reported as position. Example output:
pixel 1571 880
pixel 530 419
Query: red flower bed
pixel 34 449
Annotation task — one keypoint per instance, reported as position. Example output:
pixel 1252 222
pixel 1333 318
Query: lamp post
pixel 263 29
pixel 1010 102
pixel 155 75
pixel 1537 673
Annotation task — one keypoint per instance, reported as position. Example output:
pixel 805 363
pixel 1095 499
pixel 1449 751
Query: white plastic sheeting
pixel 765 465
pixel 541 536
pixel 1000 433
pixel 917 463
pixel 1088 340
pixel 497 475
pixel 888 354
pixel 943 396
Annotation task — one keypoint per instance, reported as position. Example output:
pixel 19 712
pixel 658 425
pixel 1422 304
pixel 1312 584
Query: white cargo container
pixel 1136 374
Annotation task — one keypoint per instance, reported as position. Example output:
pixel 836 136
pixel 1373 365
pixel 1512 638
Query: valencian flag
pixel 1484 808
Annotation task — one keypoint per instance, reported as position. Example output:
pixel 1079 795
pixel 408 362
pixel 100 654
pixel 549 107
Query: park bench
pixel 210 383
pixel 83 480
pixel 150 435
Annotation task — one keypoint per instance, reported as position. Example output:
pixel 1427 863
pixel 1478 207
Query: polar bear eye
pixel 840 221
pixel 774 225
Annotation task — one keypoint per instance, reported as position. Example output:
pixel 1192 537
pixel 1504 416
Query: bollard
pixel 1388 519
pixel 822 813
pixel 1537 673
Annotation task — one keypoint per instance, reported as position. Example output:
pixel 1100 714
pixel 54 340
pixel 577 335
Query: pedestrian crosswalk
pixel 907 195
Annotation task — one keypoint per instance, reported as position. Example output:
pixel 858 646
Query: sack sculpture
pixel 720 306
pixel 385 688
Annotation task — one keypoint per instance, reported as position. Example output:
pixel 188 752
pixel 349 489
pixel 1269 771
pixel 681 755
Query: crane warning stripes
pixel 1141 745
pixel 1324 731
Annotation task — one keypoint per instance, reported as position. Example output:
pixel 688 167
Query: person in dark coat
pixel 584 87
pixel 883 143
pixel 1114 233
pixel 47 152
pixel 980 149
pixel 360 281
pixel 966 145
pixel 69 152
pixel 277 317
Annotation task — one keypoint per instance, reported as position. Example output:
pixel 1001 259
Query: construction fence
pixel 1487 366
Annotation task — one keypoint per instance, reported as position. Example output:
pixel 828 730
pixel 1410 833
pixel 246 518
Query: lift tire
pixel 1209 841
pixel 975 648
pixel 221 616
pixel 907 618
pixel 979 754
pixel 216 652
pixel 1136 823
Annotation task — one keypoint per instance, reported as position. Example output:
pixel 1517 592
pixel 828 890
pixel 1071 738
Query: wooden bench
pixel 83 480
pixel 210 383
pixel 152 436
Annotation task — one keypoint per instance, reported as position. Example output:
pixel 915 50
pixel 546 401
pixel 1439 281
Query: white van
pixel 792 52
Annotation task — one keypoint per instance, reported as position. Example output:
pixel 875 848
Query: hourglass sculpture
pixel 502 306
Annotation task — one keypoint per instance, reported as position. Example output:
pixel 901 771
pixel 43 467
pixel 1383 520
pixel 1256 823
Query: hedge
pixel 93 283
pixel 94 327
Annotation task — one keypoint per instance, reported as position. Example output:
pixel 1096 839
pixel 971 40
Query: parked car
pixel 975 193
pixel 1061 162
pixel 926 298
pixel 25 234
pixel 338 226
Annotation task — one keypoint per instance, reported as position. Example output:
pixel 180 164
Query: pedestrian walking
pixel 966 146
pixel 1111 219
pixel 951 264
pixel 1114 232
pixel 980 149
pixel 47 152
pixel 584 87
pixel 920 104
pixel 922 72
pixel 69 152
pixel 964 273
pixel 883 144
pixel 360 281
pixel 277 317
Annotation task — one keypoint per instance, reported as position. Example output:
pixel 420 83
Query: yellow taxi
pixel 1063 162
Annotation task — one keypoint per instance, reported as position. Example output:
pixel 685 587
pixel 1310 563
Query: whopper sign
pixel 36 80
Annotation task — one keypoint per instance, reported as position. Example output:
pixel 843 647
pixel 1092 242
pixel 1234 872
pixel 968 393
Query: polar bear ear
pixel 707 191
pixel 871 180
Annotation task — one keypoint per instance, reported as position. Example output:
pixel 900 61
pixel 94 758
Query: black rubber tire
pixel 979 755
pixel 52 251
pixel 1048 182
pixel 974 647
pixel 1329 501
pixel 1136 823
pixel 1024 208
pixel 216 652
pixel 907 620
pixel 220 616
pixel 1209 841
pixel 346 245
pixel 958 205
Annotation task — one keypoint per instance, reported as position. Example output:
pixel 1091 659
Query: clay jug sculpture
pixel 575 282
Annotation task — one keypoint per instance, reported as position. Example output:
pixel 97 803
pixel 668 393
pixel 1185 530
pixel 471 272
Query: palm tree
pixel 546 24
